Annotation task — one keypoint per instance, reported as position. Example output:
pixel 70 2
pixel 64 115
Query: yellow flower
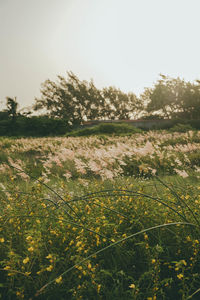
pixel 26 260
pixel 98 288
pixel 180 276
pixel 184 262
pixel 53 232
pixel 89 266
pixel 188 238
pixel 29 238
pixel 27 273
pixel 132 286
pixel 49 256
pixel 2 240
pixel 166 284
pixel 59 279
pixel 153 261
pixel 20 294
pixel 7 268
pixel 49 268
pixel 30 249
pixel 78 244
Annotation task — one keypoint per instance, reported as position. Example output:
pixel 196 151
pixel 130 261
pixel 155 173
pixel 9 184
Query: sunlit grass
pixel 131 237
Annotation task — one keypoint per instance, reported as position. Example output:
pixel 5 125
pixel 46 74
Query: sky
pixel 121 43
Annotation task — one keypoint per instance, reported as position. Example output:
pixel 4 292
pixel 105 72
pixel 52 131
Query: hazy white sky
pixel 125 43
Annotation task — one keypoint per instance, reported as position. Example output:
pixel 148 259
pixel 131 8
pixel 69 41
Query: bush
pixel 43 126
pixel 5 127
pixel 106 128
pixel 181 128
pixel 33 126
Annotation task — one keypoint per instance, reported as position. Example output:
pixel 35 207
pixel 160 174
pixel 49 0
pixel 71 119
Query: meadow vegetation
pixel 106 129
pixel 100 217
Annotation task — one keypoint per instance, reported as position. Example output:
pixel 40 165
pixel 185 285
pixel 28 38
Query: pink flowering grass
pixel 100 217
pixel 146 154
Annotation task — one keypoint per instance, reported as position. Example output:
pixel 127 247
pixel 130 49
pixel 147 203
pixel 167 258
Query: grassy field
pixel 100 217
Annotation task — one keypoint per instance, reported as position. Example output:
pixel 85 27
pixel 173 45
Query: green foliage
pixel 77 100
pixel 41 243
pixel 106 128
pixel 72 101
pixel 43 126
pixel 5 127
pixel 181 128
pixel 80 237
pixel 194 158
pixel 4 115
pixel 173 98
pixel 12 108
pixel 33 126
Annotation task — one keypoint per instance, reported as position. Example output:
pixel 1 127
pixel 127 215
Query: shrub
pixel 33 126
pixel 106 128
pixel 181 128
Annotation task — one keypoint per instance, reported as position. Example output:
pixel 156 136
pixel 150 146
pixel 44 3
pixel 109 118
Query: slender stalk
pixel 107 247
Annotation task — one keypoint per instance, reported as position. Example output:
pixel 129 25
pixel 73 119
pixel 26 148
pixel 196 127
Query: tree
pixel 120 105
pixel 173 98
pixel 190 102
pixel 78 101
pixel 71 99
pixel 12 108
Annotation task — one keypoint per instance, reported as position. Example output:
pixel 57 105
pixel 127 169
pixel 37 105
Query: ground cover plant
pixel 100 217
pixel 106 128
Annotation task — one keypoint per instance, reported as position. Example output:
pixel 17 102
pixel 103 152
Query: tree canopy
pixel 78 101
pixel 67 102
pixel 173 98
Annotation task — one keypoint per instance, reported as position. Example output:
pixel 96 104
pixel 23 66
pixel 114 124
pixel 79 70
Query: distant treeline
pixel 69 102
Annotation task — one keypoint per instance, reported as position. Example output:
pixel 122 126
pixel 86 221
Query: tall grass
pixel 107 244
